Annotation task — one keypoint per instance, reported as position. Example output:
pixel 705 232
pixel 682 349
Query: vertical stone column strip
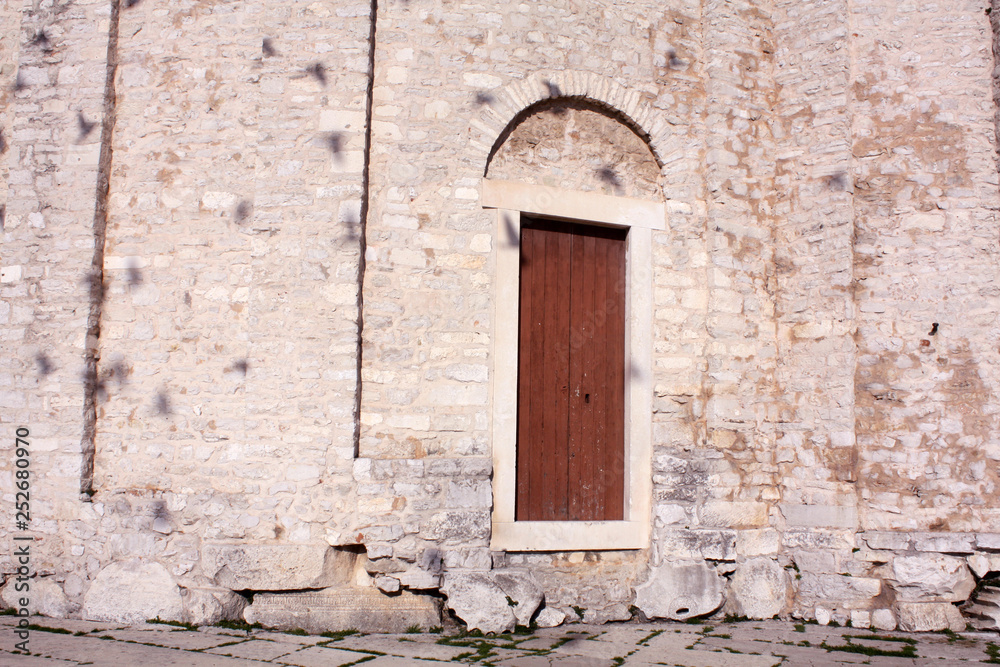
pixel 362 233
pixel 994 12
pixel 925 247
pixel 815 268
pixel 738 289
pixel 53 71
pixel 96 281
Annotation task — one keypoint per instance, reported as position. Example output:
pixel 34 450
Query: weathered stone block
pixel 889 541
pixel 861 618
pixel 988 541
pixel 680 590
pixel 851 592
pixel 820 516
pixel 333 609
pixel 477 599
pixel 759 589
pixel 276 567
pixel 931 578
pixel 883 619
pixel 929 617
pixel 462 526
pixel 133 592
pixel 549 618
pixel 954 543
pixel 45 597
pixel 761 542
pixel 206 606
pixel 982 564
pixel 523 590
pixel 696 545
pixel 721 514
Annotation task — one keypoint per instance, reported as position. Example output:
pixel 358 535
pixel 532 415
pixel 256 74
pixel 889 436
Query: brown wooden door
pixel 571 374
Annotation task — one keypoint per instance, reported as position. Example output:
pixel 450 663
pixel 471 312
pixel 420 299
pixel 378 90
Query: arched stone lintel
pixel 510 100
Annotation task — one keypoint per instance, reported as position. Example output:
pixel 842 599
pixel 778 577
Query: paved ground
pixel 748 644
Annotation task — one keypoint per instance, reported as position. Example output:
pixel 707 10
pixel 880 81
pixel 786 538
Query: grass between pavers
pixel 238 625
pixel 993 651
pixel 645 640
pixel 483 645
pixel 908 650
pixel 176 624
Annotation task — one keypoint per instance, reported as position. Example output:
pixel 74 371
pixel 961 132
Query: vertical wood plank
pixel 577 345
pixel 600 385
pixel 614 455
pixel 560 335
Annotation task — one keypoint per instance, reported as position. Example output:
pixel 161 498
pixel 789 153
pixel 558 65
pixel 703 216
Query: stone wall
pixel 188 192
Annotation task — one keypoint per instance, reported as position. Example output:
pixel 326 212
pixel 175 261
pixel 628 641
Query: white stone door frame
pixel 640 217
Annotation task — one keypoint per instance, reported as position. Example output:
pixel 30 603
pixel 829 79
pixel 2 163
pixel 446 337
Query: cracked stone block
pixel 477 599
pixel 522 588
pixel 931 578
pixel 759 589
pixel 133 592
pixel 679 591
pixel 696 544
pixel 276 567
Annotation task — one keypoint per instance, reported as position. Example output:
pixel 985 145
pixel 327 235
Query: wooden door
pixel 571 379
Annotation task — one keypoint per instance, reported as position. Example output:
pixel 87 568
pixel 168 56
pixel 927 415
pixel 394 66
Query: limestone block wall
pixel 229 330
pixel 52 86
pixel 185 210
pixel 224 323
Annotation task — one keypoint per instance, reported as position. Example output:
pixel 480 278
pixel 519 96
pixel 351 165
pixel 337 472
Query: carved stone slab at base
pixel 333 609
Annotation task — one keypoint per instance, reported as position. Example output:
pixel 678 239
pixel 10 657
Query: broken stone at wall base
pixel 679 591
pixel 929 617
pixel 931 578
pixel 883 619
pixel 277 567
pixel 758 589
pixel 347 608
pixel 549 618
pixel 616 612
pixel 133 592
pixel 523 590
pixel 983 609
pixel 45 597
pixel 485 600
pixel 207 606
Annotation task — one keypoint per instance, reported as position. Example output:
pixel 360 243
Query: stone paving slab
pixel 762 644
pixel 321 656
pixel 173 638
pixel 407 649
pixel 697 658
pixel 119 653
pixel 256 649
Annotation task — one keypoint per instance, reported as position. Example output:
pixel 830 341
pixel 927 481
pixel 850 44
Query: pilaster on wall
pixel 52 72
pixel 814 228
pixel 928 372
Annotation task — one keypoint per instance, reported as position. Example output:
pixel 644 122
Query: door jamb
pixel 641 218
